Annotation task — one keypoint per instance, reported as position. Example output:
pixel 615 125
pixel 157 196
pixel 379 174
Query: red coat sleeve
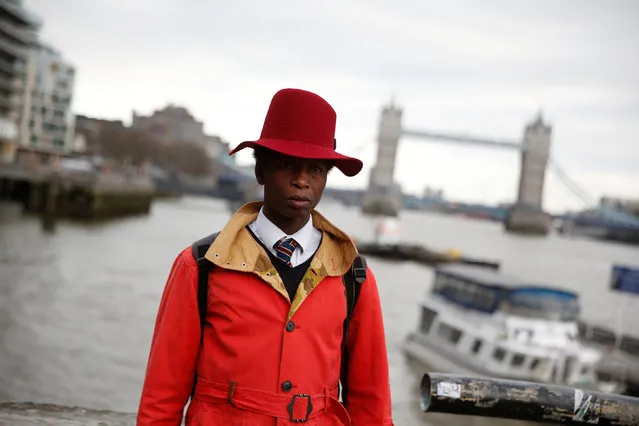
pixel 369 398
pixel 174 348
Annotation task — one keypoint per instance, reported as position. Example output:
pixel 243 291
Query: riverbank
pixel 74 194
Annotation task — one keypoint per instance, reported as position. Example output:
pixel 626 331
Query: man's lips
pixel 299 198
pixel 298 201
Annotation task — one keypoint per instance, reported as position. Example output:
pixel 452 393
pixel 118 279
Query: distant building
pixel 170 124
pixel 46 120
pixel 624 205
pixel 92 126
pixel 174 124
pixel 218 149
pixel 433 194
pixel 18 29
pixel 87 130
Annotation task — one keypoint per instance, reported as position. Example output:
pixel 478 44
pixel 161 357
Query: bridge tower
pixel 384 195
pixel 527 214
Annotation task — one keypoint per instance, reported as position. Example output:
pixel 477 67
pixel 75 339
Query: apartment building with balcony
pixel 46 119
pixel 18 32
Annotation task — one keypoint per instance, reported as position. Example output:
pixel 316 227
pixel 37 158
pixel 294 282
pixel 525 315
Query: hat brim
pixel 348 165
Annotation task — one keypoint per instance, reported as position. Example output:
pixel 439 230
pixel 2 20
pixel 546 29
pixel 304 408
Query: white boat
pixel 479 322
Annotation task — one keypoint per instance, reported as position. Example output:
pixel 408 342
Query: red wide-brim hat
pixel 302 124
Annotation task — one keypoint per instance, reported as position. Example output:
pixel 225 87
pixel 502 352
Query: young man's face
pixel 292 186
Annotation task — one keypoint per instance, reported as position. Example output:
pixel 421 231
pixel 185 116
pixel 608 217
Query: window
pixel 476 346
pixel 518 360
pixel 449 333
pixel 499 354
pixel 428 316
pixel 534 364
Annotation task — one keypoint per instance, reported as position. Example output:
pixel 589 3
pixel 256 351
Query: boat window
pixel 449 333
pixel 428 315
pixel 568 366
pixel 543 303
pixel 518 360
pixel 534 363
pixel 499 354
pixel 486 299
pixel 476 346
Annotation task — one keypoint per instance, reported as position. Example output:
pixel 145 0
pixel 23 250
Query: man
pixel 271 346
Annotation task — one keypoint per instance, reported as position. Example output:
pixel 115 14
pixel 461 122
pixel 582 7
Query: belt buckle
pixel 291 406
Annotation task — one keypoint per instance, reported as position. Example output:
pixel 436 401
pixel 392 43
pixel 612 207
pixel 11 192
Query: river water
pixel 77 306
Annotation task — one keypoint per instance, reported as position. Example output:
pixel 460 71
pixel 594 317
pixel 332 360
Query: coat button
pixel 287 386
pixel 290 326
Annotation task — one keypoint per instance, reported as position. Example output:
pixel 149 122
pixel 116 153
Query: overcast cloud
pixel 476 67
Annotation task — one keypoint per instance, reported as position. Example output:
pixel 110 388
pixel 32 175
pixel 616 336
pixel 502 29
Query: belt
pixel 297 408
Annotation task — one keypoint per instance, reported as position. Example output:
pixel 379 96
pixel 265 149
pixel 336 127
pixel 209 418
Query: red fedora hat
pixel 302 124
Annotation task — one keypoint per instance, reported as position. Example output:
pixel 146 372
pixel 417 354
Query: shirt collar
pixel 269 233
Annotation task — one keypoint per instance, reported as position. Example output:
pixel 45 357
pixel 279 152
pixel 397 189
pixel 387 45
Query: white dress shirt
pixel 308 238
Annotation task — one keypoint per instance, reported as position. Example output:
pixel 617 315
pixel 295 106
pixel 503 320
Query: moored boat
pixel 477 321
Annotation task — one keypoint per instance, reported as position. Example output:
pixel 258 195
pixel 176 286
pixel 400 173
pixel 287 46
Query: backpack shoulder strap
pixel 204 266
pixel 353 280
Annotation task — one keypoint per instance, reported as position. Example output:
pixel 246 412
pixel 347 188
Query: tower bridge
pixel 384 195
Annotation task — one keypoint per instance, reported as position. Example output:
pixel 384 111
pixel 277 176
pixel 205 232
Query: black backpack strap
pixel 352 280
pixel 204 267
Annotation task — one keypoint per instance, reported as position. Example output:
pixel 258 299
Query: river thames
pixel 77 306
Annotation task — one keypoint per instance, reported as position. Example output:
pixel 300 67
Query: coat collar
pixel 270 234
pixel 235 249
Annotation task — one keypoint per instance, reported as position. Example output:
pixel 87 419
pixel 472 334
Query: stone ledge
pixel 31 414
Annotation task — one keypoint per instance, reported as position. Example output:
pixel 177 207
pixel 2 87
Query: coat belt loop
pixel 231 392
pixel 327 397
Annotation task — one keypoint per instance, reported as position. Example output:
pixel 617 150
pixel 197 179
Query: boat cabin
pixel 522 347
pixel 486 290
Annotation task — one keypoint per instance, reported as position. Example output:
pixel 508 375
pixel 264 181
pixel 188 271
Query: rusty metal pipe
pixel 516 400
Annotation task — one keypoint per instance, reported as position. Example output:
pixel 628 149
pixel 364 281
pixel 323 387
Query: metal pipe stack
pixel 517 400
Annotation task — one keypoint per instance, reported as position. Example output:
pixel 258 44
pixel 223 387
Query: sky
pixel 483 68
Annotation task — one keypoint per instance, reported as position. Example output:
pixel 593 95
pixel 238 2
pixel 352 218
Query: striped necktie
pixel 285 248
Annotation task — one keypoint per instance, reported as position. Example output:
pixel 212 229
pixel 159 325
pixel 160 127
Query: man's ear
pixel 259 175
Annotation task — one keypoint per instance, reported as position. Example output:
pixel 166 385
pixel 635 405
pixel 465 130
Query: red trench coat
pixel 264 358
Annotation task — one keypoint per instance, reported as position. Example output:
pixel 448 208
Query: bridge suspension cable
pixel 610 212
pixel 571 184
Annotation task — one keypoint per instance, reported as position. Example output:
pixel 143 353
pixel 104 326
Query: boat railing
pixel 518 400
pixel 606 337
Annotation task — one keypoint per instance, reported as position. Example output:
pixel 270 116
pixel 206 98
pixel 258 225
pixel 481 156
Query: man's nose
pixel 300 177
